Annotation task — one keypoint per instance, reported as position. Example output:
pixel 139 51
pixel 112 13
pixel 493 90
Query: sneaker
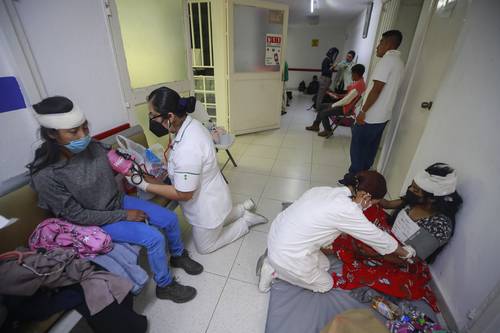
pixel 266 277
pixel 248 204
pixel 176 292
pixel 313 127
pixel 325 134
pixel 186 263
pixel 253 219
pixel 343 180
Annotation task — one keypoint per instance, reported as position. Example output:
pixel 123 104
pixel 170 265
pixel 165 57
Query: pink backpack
pixel 86 241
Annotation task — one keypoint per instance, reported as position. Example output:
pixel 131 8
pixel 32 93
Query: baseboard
pixel 446 318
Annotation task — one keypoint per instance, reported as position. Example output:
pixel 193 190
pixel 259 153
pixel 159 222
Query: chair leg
pixel 225 179
pixel 231 158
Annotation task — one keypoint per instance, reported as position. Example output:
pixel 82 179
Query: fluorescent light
pixel 312 6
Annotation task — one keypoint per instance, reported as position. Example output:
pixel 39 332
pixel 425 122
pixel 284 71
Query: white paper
pixel 6 222
pixel 404 227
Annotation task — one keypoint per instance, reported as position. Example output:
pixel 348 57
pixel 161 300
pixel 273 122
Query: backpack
pixel 302 86
pixel 312 88
pixel 85 241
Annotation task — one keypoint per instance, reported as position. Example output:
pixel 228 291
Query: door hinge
pixel 107 8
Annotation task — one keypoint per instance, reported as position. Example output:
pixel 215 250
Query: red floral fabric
pixel 407 282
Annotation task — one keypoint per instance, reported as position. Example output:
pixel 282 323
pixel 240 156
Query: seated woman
pixel 429 209
pixel 74 180
pixel 197 183
pixel 316 219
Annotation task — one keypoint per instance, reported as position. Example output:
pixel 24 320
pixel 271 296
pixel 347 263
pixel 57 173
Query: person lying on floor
pixel 429 208
pixel 74 180
pixel 315 220
pixel 196 181
pixel 344 106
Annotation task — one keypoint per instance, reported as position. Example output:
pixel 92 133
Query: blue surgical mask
pixel 77 146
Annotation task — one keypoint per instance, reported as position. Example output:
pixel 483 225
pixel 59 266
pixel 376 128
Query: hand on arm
pixel 391 204
pixel 170 192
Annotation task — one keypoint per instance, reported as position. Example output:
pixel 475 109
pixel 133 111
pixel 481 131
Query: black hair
pixel 358 69
pixel 395 35
pixel 165 100
pixel 351 52
pixel 49 151
pixel 447 205
pixel 315 77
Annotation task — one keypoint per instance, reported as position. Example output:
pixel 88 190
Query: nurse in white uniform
pixel 314 221
pixel 197 183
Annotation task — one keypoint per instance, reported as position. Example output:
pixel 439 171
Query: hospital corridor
pixel 249 166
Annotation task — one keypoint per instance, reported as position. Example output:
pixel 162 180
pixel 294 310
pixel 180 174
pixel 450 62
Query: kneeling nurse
pixel 197 183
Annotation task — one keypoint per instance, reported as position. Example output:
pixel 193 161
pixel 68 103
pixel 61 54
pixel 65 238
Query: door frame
pixel 137 96
pixel 231 74
pixel 417 45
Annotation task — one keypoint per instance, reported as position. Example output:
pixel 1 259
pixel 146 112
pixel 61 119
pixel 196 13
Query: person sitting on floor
pixel 316 219
pixel 344 106
pixel 430 204
pixel 74 180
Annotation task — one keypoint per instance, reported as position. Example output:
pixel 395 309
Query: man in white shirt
pixel 378 103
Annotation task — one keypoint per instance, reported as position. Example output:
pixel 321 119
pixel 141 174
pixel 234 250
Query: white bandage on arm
pixel 347 98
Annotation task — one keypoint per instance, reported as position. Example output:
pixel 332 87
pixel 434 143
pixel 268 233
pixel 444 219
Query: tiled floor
pixel 273 166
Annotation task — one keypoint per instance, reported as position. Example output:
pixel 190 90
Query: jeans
pixel 163 222
pixel 324 84
pixel 364 145
pixel 325 111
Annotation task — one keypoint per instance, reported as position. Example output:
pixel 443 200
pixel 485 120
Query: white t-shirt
pixel 389 70
pixel 192 166
pixel 315 220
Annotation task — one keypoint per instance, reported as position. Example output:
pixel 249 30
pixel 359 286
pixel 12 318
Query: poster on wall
pixel 273 49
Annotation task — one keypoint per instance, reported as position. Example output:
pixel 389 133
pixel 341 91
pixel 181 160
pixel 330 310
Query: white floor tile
pixel 298 155
pixel 269 208
pixel 255 150
pixel 326 173
pixel 239 198
pixel 218 262
pixel 190 317
pixel 289 169
pixel 245 138
pixel 247 183
pixel 285 189
pixel 257 165
pixel 297 141
pixel 269 140
pixel 335 157
pixel 254 245
pixel 242 308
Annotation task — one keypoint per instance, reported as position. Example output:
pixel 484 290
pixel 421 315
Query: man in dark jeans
pixel 344 106
pixel 377 107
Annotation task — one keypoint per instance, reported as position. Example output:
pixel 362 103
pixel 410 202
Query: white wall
pixel 300 53
pixel 463 130
pixel 406 22
pixel 354 35
pixel 17 128
pixel 73 50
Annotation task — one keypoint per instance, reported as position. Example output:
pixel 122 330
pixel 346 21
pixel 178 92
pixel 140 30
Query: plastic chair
pixel 227 140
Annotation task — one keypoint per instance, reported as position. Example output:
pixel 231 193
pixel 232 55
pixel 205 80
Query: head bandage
pixel 437 185
pixel 66 120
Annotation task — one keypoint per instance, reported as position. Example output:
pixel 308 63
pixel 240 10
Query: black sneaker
pixel 176 292
pixel 186 263
pixel 343 181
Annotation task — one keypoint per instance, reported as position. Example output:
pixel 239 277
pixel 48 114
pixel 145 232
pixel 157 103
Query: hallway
pixel 273 166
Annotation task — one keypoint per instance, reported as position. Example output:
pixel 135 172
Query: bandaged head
pixel 436 184
pixel 58 112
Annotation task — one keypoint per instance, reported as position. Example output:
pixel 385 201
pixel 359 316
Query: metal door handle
pixel 426 105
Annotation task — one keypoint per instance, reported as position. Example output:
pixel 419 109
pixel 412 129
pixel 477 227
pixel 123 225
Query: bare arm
pixel 391 204
pixel 373 95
